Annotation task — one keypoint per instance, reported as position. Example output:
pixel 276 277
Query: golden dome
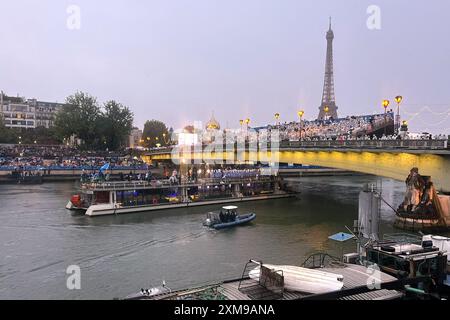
pixel 212 124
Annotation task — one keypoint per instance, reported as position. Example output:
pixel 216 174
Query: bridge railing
pixel 369 144
pixel 336 144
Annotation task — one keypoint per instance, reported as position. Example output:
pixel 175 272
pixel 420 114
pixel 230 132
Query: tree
pixel 116 123
pixel 7 135
pixel 155 132
pixel 80 117
pixel 97 128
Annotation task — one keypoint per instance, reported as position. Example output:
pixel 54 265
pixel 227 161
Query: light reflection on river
pixel 119 255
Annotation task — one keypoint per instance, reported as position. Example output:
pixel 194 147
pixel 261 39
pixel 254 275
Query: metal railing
pixel 424 144
pixel 142 184
pixel 369 144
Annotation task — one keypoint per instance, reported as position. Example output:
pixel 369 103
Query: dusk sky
pixel 177 61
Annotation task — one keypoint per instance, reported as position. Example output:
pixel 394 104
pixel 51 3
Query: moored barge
pixel 117 197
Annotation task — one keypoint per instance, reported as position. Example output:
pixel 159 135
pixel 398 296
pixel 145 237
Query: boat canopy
pixel 230 207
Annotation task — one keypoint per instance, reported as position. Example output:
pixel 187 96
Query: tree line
pixel 99 127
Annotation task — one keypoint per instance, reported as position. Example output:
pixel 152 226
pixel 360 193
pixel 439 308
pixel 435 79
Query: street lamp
pixel 164 136
pixel 300 115
pixel 326 109
pixel 247 121
pixel 277 116
pixel 385 105
pixel 241 122
pixel 398 99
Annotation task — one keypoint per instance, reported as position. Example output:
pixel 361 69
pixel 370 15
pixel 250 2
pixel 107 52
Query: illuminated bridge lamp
pixel 300 115
pixel 277 116
pixel 326 109
pixel 385 105
pixel 398 99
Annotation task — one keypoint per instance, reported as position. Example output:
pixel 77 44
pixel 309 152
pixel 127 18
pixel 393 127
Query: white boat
pixel 116 197
pixel 304 279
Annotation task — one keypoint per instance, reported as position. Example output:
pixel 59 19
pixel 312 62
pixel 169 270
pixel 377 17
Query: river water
pixel 118 255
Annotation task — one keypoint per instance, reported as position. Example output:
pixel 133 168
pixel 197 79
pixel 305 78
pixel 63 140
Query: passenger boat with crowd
pixel 115 197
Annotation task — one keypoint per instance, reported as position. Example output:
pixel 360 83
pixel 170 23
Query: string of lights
pixel 428 109
pixel 434 124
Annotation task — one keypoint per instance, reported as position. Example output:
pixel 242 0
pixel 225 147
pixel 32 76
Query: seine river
pixel 118 255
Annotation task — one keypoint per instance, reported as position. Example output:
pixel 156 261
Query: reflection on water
pixel 120 254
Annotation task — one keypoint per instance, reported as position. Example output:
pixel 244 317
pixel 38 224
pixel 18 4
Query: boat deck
pixel 354 276
pixel 161 184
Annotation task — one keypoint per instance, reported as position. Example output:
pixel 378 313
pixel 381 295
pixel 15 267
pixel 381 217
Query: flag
pixel 104 167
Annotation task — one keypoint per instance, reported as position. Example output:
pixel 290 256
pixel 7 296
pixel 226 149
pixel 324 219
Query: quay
pixel 60 175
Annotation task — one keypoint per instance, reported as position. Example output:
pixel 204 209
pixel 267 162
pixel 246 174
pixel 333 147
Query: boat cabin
pixel 226 214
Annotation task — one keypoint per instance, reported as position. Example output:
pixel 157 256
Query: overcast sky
pixel 177 61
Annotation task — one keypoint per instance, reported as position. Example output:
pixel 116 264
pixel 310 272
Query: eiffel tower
pixel 328 108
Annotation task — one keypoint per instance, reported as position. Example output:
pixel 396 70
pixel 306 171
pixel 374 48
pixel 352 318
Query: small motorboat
pixel 227 217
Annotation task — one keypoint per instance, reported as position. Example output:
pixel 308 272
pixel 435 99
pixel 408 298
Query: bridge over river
pixel 387 158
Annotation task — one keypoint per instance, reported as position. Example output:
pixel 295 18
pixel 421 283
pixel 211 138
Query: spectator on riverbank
pixel 62 157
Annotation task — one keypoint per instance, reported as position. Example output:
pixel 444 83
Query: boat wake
pixel 137 247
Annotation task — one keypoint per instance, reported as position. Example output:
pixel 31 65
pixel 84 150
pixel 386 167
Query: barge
pixel 117 197
pixel 400 266
pixel 271 284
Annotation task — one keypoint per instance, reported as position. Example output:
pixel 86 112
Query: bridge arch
pixel 391 163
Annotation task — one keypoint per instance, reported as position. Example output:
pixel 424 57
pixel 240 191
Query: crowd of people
pixel 62 157
pixel 367 127
pixel 351 127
